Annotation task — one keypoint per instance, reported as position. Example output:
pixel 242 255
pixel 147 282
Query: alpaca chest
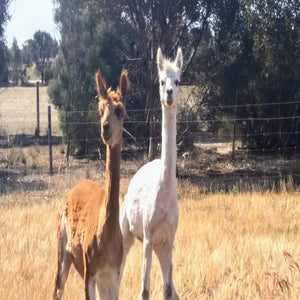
pixel 160 218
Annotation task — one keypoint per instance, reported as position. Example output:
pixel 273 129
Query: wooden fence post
pixel 37 129
pixel 234 127
pixel 50 141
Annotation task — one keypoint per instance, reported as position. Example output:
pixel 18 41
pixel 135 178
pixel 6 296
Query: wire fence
pixel 209 162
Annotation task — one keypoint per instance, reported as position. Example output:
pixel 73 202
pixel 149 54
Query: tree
pixel 152 24
pixel 92 39
pixel 255 62
pixel 44 48
pixel 28 51
pixel 236 51
pixel 274 27
pixel 4 17
pixel 4 57
pixel 84 45
pixel 15 62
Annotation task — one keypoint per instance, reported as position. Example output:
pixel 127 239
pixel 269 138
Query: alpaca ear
pixel 124 85
pixel 178 59
pixel 101 85
pixel 160 60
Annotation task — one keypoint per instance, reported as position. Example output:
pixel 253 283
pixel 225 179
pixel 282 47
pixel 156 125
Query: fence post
pixel 37 130
pixel 234 127
pixel 50 141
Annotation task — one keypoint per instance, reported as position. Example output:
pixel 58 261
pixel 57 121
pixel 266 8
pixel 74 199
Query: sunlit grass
pixel 227 246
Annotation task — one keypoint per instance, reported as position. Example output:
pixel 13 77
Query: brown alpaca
pixel 89 234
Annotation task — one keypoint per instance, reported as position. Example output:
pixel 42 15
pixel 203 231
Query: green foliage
pixel 86 46
pixel 39 51
pixel 92 39
pixel 28 51
pixel 15 63
pixel 3 64
pixel 256 61
pixel 4 17
pixel 43 48
pixel 238 52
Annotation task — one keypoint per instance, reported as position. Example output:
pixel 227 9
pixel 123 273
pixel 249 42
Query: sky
pixel 27 17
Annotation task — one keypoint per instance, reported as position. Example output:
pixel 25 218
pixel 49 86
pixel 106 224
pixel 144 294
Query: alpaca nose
pixel 170 92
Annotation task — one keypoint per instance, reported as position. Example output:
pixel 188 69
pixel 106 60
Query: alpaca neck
pixel 168 145
pixel 112 183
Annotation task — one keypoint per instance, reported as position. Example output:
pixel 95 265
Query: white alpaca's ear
pixel 160 60
pixel 178 59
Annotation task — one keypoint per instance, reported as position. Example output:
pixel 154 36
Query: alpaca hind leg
pixel 164 254
pixel 147 258
pixel 64 262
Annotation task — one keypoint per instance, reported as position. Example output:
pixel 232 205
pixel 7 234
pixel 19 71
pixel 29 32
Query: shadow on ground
pixel 13 181
pixel 26 140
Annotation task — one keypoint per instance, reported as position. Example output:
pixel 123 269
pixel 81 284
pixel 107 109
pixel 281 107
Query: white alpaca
pixel 150 209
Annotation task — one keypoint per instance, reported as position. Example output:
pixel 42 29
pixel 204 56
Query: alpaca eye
pixel 176 82
pixel 162 83
pixel 118 112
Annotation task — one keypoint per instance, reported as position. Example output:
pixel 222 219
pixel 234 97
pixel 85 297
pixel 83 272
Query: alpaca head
pixel 169 78
pixel 112 108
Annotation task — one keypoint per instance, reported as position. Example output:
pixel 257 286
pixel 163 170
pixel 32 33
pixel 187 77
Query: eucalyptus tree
pixel 4 17
pixel 44 48
pixel 15 62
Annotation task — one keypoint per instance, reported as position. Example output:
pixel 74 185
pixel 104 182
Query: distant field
pixel 18 111
pixel 228 245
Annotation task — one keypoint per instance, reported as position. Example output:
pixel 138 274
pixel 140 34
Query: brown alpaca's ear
pixel 159 60
pixel 101 85
pixel 124 85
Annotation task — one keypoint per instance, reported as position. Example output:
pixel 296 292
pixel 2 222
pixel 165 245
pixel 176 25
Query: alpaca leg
pixel 89 282
pixel 89 288
pixel 64 262
pixel 128 239
pixel 108 288
pixel 164 255
pixel 147 258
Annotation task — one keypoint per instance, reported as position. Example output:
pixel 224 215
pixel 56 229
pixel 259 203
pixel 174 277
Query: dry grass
pixel 18 111
pixel 228 246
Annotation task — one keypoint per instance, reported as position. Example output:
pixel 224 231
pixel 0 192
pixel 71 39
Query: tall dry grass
pixel 228 246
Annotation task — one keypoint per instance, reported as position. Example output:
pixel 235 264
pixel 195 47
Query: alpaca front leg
pixel 89 282
pixel 164 255
pixel 147 258
pixel 90 285
pixel 108 285
pixel 128 238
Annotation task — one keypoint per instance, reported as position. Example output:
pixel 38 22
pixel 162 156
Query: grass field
pixel 18 111
pixel 227 246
